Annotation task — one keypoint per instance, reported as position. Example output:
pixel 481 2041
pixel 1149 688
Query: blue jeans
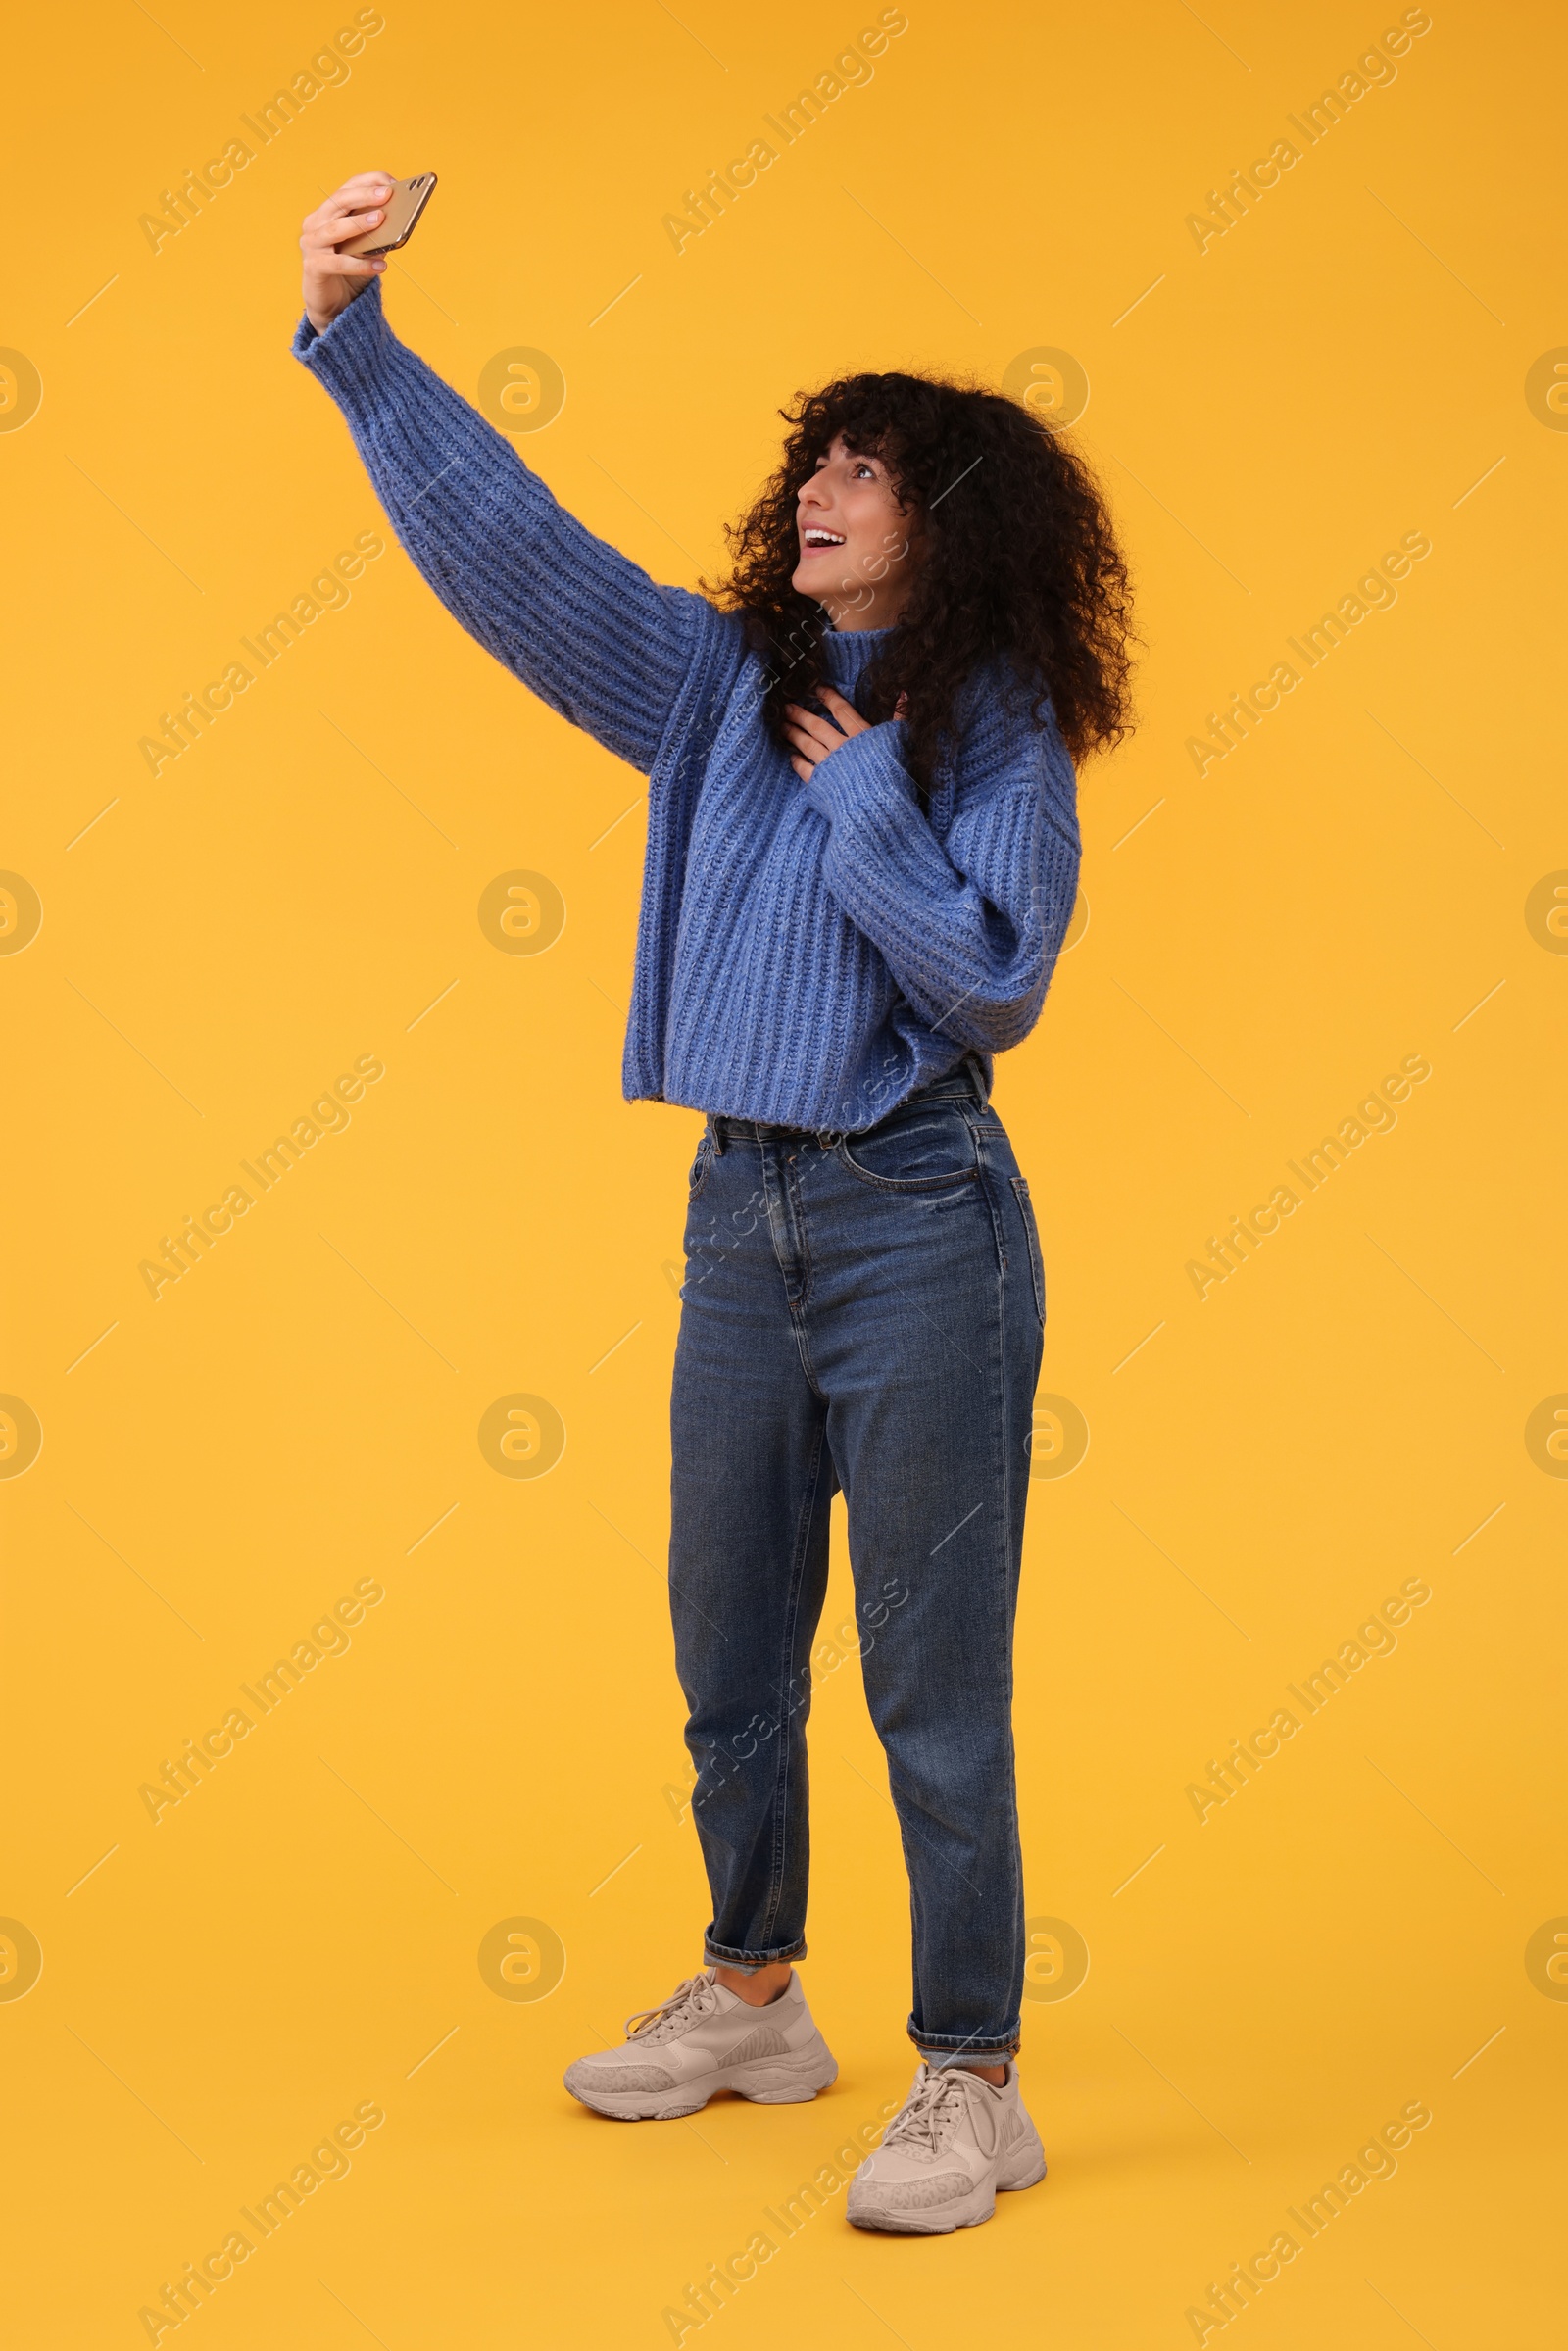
pixel 863 1311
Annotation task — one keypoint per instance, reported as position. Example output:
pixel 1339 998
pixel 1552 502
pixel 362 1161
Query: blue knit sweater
pixel 807 954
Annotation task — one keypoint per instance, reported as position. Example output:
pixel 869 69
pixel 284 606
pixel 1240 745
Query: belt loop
pixel 715 1128
pixel 976 1071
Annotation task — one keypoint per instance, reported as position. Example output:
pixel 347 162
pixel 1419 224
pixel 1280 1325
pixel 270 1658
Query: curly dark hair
pixel 1017 560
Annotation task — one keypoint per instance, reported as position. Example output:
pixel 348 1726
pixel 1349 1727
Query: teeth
pixel 822 538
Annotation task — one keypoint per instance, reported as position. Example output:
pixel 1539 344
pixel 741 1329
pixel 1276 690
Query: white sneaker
pixel 952 2146
pixel 705 2039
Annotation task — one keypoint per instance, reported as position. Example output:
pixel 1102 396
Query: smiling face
pixel 857 557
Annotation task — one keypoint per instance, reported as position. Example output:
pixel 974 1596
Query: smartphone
pixel 403 208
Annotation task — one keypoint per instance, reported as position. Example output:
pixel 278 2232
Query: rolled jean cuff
pixel 749 1963
pixel 943 2049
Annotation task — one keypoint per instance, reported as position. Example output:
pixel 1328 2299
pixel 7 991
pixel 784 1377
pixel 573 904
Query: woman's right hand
pixel 333 278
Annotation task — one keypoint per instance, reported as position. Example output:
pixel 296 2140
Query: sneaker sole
pixel 772 2082
pixel 969 2212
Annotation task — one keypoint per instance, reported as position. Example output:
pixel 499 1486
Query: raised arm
pixel 574 620
pixel 970 924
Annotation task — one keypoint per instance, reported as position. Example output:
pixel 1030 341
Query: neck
pixel 879 610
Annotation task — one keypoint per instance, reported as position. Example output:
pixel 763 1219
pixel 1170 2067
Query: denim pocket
pixel 700 1165
pixel 1020 1186
pixel 926 1149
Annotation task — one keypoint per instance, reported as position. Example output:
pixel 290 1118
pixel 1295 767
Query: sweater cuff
pixel 864 776
pixel 347 357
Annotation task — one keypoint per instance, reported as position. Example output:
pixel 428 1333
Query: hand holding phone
pixel 346 239
pixel 401 212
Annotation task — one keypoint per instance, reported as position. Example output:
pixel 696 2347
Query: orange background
pixel 1349 886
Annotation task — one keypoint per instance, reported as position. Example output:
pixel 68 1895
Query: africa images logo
pixel 329 1115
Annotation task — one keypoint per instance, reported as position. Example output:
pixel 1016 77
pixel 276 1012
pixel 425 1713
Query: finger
pixel 348 265
pixel 819 729
pixel 370 188
pixel 848 717
pixel 353 224
pixel 803 743
pixel 328 233
pixel 363 184
pixel 802 770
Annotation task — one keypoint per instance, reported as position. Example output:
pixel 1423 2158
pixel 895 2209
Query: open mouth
pixel 815 539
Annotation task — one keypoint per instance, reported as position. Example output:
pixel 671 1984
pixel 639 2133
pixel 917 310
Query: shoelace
pixel 641 2025
pixel 931 2106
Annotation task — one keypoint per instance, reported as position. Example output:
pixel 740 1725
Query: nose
pixel 812 493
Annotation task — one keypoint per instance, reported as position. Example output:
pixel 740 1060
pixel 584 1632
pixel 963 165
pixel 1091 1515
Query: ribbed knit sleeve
pixel 575 620
pixel 969 924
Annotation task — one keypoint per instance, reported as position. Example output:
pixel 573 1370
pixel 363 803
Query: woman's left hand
pixel 814 737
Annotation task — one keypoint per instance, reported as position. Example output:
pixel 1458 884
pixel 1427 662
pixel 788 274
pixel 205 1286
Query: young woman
pixel 862 855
